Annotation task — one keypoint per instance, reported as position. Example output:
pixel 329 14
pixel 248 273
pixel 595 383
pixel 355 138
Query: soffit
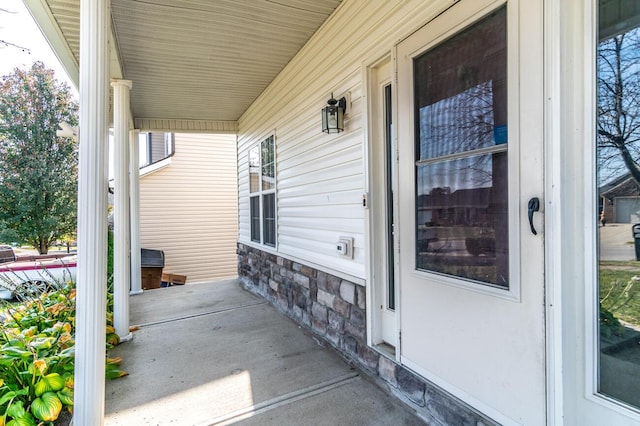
pixel 200 59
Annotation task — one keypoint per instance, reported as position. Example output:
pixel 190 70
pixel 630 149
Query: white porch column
pixel 134 179
pixel 121 213
pixel 92 214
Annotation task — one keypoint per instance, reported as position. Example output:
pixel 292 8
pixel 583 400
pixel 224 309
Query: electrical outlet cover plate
pixel 344 247
pixel 341 248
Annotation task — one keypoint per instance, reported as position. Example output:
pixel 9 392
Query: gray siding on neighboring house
pixel 627 209
pixel 189 208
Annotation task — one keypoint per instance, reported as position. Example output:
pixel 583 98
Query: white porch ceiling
pixel 192 61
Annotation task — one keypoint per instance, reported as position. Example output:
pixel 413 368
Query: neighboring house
pixel 188 204
pixel 446 240
pixel 620 200
pixel 154 147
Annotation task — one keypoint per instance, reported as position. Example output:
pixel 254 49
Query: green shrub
pixel 609 324
pixel 620 294
pixel 37 357
pixel 109 254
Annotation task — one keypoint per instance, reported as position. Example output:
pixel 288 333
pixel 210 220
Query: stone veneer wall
pixel 334 309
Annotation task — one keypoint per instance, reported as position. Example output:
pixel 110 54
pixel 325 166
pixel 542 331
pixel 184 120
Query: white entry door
pixel 470 133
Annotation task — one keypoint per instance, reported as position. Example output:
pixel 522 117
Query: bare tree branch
pixel 618 110
pixel 4 43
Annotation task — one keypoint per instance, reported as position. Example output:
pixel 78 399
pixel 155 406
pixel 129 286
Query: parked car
pixel 23 278
pixel 7 254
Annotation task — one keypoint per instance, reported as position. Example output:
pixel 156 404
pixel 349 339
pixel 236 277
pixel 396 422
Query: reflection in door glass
pixel 390 172
pixel 461 163
pixel 618 189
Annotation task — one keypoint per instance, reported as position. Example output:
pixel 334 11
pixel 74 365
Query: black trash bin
pixel 636 239
pixel 151 262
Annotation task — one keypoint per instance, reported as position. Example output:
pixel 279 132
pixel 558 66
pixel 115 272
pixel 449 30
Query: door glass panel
pixel 390 173
pixel 461 164
pixel 618 189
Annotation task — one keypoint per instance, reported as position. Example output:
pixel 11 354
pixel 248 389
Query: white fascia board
pixel 154 167
pixel 149 169
pixel 115 67
pixel 41 13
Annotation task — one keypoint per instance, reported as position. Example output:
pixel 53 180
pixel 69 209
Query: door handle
pixel 534 206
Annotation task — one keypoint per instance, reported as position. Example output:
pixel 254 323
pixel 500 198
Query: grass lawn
pixel 619 293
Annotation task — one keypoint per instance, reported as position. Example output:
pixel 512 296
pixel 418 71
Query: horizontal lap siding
pixel 320 185
pixel 321 177
pixel 189 209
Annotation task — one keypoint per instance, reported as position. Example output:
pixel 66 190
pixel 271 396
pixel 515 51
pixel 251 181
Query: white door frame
pixel 383 326
pixel 571 248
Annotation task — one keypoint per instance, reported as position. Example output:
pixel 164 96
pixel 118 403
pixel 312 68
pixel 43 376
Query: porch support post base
pixel 127 338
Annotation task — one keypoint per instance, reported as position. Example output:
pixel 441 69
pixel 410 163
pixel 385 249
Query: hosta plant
pixel 37 359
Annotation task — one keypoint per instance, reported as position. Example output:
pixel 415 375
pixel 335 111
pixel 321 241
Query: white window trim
pixel 154 167
pixel 261 193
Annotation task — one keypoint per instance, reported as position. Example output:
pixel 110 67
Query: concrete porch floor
pixel 215 354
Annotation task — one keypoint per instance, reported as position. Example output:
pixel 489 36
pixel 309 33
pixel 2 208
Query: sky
pixel 18 28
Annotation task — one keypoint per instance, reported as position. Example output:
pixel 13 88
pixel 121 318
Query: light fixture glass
pixel 333 115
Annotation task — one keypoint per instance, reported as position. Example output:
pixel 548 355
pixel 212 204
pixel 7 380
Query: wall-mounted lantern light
pixel 333 115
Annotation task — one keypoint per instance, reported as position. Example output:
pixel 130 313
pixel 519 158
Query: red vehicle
pixel 18 278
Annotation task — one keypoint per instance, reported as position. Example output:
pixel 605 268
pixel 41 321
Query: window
pixel 262 190
pixel 461 155
pixel 154 147
pixel 617 190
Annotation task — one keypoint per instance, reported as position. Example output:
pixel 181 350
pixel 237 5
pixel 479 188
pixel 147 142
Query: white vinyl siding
pixel 321 178
pixel 320 188
pixel 189 209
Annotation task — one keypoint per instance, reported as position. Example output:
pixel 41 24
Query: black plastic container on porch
pixel 636 239
pixel 151 262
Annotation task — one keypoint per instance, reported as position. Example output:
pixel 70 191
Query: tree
pixel 38 169
pixel 618 108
